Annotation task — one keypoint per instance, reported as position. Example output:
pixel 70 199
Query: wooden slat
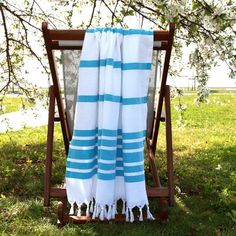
pixel 55 46
pixel 58 192
pixel 152 192
pixel 159 35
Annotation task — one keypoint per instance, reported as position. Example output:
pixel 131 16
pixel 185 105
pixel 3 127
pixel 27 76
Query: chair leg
pixel 170 169
pixel 61 213
pixel 48 164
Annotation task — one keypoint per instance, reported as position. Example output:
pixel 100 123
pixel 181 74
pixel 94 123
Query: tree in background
pixel 208 26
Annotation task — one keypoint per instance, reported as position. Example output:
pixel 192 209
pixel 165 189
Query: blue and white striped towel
pixel 106 155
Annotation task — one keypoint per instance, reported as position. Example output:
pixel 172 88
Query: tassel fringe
pixel 109 211
pixel 79 210
pixel 71 209
pixel 149 214
pixel 141 214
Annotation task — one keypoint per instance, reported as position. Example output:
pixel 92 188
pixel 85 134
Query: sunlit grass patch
pixel 12 104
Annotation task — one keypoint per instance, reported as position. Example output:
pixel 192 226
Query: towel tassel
pixel 71 209
pixel 94 212
pixel 149 214
pixel 98 210
pixel 127 215
pixel 91 207
pixel 109 212
pixel 140 214
pixel 113 211
pixel 79 210
pixel 123 208
pixel 87 210
pixel 131 220
pixel 102 214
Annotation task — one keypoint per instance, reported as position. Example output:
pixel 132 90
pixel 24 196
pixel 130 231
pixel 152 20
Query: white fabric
pixel 106 155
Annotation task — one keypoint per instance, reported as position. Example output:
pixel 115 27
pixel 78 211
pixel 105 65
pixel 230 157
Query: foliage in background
pixel 207 26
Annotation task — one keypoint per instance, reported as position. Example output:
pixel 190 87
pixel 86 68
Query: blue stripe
pixel 133 157
pixel 105 166
pixel 89 63
pixel 121 31
pixel 106 176
pixel 119 163
pixel 133 101
pixel 133 145
pixel 93 142
pixel 136 66
pixel 115 64
pixel 99 63
pixel 77 165
pixel 131 169
pixel 111 98
pixel 82 154
pixel 87 98
pixel 76 175
pixel 109 132
pixel 107 143
pixel 84 143
pixel 137 178
pixel 119 173
pixel 134 135
pixel 109 154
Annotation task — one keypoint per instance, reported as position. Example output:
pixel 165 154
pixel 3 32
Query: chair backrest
pixel 70 43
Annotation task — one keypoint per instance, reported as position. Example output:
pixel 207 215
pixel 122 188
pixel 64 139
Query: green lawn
pixel 205 177
pixel 11 104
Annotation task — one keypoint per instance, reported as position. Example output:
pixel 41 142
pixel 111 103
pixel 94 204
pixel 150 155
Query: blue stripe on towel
pixel 103 176
pixel 121 31
pixel 111 98
pixel 133 157
pixel 84 143
pixel 136 66
pixel 115 64
pixel 76 165
pixel 133 145
pixel 119 173
pixel 119 163
pixel 107 143
pixel 82 154
pixel 137 178
pixel 109 132
pixel 99 63
pixel 134 135
pixel 109 154
pixel 131 169
pixel 133 101
pixel 106 166
pixel 76 175
pixel 87 98
pixel 95 141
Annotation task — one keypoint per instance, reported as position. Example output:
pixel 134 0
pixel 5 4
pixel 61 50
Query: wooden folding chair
pixel 72 40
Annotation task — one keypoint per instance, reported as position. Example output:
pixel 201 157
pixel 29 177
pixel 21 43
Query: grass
pixel 205 177
pixel 12 104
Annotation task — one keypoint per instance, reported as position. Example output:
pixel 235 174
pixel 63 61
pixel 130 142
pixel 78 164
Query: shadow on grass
pixel 205 181
pixel 22 168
